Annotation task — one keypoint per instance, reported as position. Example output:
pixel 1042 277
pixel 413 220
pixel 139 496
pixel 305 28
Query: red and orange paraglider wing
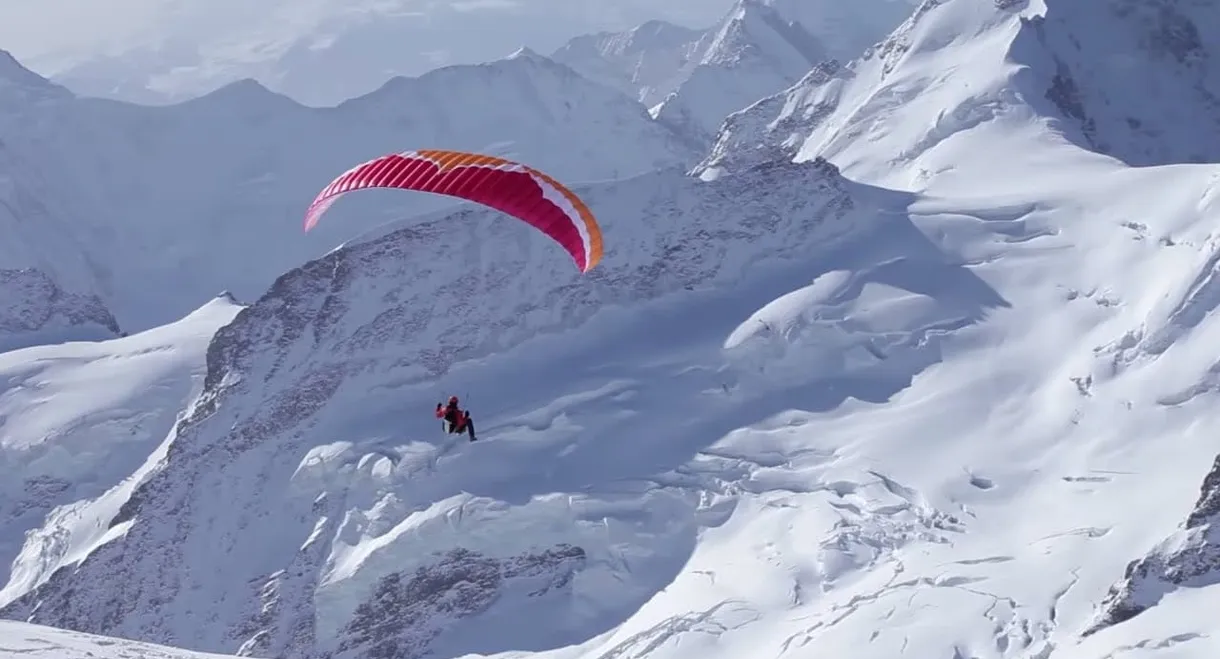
pixel 510 187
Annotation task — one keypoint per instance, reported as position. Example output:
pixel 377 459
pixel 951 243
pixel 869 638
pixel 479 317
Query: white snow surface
pixel 936 411
pixel 19 640
pixel 319 52
pixel 157 209
pixel 77 420
pixel 342 500
pixel 1134 80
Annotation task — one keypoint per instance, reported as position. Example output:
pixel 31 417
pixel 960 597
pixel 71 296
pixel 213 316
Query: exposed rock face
pixel 34 309
pixel 223 548
pixel 1134 80
pixel 401 617
pixel 754 52
pixel 1189 558
pixel 1136 77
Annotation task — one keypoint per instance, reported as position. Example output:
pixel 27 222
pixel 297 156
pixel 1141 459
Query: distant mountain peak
pixel 752 53
pixel 525 52
pixel 95 185
pixel 757 28
pixel 246 93
pixel 18 82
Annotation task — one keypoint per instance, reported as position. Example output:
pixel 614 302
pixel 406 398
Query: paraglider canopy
pixel 507 186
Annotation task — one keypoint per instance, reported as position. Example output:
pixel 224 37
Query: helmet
pixel 453 400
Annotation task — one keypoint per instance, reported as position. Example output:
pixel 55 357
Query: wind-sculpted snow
pixel 1113 300
pixel 870 406
pixel 311 456
pixel 157 209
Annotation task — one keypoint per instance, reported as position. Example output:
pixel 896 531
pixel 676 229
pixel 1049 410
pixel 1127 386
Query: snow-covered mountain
pixel 1134 80
pixel 1190 558
pixel 1146 89
pixel 79 419
pixel 753 52
pixel 843 111
pixel 789 413
pixel 34 310
pixel 692 81
pixel 336 497
pixel 646 62
pixel 319 52
pixel 156 209
pixel 758 48
pixel 846 29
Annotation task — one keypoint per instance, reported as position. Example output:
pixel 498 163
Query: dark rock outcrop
pixel 1189 558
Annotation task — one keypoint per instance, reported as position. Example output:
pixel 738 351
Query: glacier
pixel 916 361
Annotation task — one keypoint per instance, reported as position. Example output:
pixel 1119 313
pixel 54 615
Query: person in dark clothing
pixel 458 419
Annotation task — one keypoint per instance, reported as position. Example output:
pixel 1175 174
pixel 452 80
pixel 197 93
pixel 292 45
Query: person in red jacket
pixel 458 419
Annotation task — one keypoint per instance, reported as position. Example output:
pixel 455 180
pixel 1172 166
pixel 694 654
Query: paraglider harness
pixel 456 419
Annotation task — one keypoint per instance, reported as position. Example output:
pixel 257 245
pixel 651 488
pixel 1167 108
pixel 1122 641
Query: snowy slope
pixel 965 411
pixel 320 52
pixel 303 482
pixel 24 641
pixel 158 209
pixel 1187 559
pixel 973 421
pixel 1085 68
pixel 77 420
pixel 972 102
